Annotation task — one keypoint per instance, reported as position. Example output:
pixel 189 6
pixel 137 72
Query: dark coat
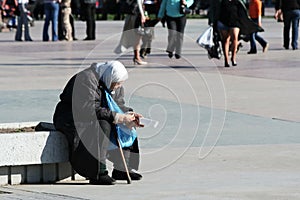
pixel 82 104
pixel 246 25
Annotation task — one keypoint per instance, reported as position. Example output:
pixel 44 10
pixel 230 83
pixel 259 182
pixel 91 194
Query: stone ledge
pixel 34 157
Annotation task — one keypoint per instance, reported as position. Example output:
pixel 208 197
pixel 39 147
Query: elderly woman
pixel 83 115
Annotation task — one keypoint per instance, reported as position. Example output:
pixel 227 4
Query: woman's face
pixel 116 85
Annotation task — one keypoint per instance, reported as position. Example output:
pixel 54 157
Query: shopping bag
pixel 205 40
pixel 125 135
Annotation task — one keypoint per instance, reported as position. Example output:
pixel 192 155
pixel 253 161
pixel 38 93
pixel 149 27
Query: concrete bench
pixel 34 157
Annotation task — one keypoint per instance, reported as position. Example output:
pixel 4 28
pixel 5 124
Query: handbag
pixel 144 31
pixel 126 136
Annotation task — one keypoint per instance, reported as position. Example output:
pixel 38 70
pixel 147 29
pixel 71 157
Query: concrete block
pixel 18 175
pixel 33 148
pixel 4 175
pixel 64 171
pixel 34 173
pixel 49 173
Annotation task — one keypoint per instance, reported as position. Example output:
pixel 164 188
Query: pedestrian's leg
pixel 180 25
pixel 252 44
pixel 54 21
pixel 171 24
pixel 295 28
pixel 286 29
pixel 18 36
pixel 47 21
pixel 235 36
pixel 225 39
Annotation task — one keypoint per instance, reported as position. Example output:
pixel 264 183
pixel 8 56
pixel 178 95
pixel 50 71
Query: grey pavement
pixel 224 133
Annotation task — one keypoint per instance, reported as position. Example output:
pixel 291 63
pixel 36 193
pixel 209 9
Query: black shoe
pixel 170 54
pixel 104 179
pixel 251 52
pixel 87 38
pixel 233 63
pixel 120 175
pixel 177 56
pixel 226 64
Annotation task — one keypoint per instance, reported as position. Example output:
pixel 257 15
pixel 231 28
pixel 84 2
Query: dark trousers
pixel 176 26
pixel 291 17
pixel 90 12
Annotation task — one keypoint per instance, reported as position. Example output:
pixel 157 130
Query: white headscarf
pixel 111 72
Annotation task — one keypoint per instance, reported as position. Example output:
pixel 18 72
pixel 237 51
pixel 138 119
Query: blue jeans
pixel 51 12
pixel 259 39
pixel 291 17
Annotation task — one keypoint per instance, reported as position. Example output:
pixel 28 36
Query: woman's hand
pixel 143 19
pixel 130 119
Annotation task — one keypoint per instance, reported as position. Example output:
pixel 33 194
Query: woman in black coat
pixel 231 19
pixel 83 115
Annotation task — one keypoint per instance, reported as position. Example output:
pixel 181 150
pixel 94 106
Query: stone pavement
pixel 224 133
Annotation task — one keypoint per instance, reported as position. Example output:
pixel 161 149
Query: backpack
pixel 129 7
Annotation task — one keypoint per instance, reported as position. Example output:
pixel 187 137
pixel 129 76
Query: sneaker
pixel 120 175
pixel 104 179
pixel 265 49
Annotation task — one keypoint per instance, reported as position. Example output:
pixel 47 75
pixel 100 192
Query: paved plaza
pixel 223 134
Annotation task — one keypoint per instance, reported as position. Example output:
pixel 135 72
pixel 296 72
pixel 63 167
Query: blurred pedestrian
pixel 176 21
pixel 255 13
pixel 134 19
pixel 22 20
pixel 89 11
pixel 230 18
pixel 51 8
pixel 291 15
pixel 65 19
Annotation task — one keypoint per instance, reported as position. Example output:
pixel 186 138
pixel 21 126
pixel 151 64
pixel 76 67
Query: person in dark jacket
pixel 84 117
pixel 231 19
pixel 291 15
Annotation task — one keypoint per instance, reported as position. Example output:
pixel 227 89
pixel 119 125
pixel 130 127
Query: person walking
pixel 51 8
pixel 255 13
pixel 22 20
pixel 176 21
pixel 230 18
pixel 130 37
pixel 291 15
pixel 89 12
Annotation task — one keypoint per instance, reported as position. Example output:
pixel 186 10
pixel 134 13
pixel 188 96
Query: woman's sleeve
pixel 189 3
pixel 162 9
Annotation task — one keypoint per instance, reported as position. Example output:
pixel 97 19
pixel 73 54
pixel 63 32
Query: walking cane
pixel 123 159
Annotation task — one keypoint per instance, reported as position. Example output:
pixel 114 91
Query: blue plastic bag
pixel 125 135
